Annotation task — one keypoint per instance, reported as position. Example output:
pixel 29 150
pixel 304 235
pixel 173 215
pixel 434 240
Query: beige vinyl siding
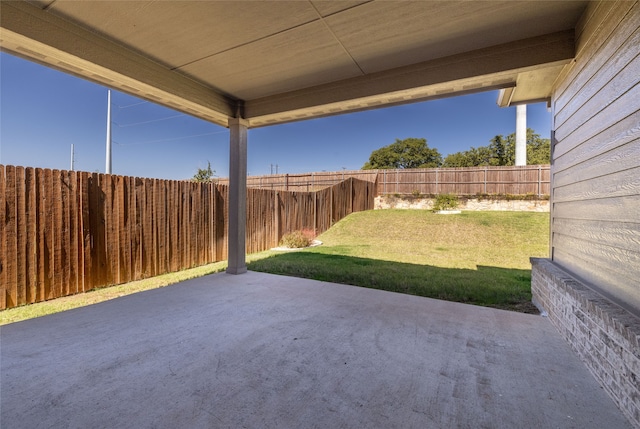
pixel 595 214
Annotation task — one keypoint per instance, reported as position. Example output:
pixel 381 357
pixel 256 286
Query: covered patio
pixel 263 351
pixel 266 351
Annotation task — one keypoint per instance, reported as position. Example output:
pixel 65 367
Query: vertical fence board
pixel 64 231
pixel 174 226
pixel 31 214
pixel 99 228
pixel 6 243
pixel 3 241
pixel 149 231
pixel 111 232
pixel 39 248
pixel 45 211
pixel 221 224
pixel 21 235
pixel 12 238
pixel 84 236
pixel 56 233
pixel 74 230
pixel 124 216
pixel 137 232
pixel 160 227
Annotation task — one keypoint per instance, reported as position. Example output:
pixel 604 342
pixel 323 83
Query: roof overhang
pixel 363 65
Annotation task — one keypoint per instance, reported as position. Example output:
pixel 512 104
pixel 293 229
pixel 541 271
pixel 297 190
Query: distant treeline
pixel 415 153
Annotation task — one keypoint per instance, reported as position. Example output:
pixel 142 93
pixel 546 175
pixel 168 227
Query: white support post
pixel 521 134
pixel 237 196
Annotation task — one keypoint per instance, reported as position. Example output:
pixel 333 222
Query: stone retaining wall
pixel 604 335
pixel 470 204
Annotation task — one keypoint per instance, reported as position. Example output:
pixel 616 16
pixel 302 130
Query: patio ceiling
pixel 273 62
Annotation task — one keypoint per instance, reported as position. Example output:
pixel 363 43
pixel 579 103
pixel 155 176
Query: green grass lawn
pixel 476 257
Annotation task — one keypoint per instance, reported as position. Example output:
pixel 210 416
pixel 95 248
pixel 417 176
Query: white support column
pixel 521 134
pixel 237 196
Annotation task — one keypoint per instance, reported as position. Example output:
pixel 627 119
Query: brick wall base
pixel 604 335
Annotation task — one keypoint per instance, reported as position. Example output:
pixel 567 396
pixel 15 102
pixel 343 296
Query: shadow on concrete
pixel 497 287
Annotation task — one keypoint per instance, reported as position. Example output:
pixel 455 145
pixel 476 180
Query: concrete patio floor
pixel 265 351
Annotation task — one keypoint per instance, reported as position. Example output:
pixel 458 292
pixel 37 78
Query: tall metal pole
pixel 71 156
pixel 107 168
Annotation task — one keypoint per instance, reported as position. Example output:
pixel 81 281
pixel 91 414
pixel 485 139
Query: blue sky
pixel 43 112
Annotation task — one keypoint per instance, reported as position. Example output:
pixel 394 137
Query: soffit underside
pixel 211 58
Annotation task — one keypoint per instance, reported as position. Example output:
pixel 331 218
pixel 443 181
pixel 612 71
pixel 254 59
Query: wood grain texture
pixel 617 184
pixel 3 242
pixel 618 209
pixel 598 38
pixel 595 212
pixel 47 234
pixel 585 102
pixel 64 231
pixel 612 111
pixel 624 235
pixel 84 232
pixel 613 87
pixel 31 220
pixel 596 271
pixel 625 156
pixel 11 263
pixel 21 237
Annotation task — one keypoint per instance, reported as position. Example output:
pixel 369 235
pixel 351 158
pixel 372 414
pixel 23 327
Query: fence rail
pixel 67 232
pixel 530 179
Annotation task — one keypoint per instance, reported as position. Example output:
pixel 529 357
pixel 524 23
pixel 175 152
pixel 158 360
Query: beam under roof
pixel 485 69
pixel 32 33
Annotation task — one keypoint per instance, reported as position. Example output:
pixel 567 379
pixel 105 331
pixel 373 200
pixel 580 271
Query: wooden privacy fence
pixel 521 180
pixel 67 232
pixel 529 179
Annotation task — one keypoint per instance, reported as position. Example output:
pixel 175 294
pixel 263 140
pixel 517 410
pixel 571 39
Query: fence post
pixel 539 180
pixel 286 182
pixel 437 181
pixel 397 175
pixel 276 214
pixel 351 193
pixel 485 180
pixel 384 180
pixel 331 206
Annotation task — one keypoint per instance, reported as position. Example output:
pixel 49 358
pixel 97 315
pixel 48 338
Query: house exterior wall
pixel 595 214
pixel 590 287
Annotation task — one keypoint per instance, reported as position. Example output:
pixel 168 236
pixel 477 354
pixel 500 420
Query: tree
pixel 538 149
pixel 470 158
pixel 204 174
pixel 407 153
pixel 502 151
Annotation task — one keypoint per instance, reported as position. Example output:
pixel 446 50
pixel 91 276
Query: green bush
pixel 297 239
pixel 445 202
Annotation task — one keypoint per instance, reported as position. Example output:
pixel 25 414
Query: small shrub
pixel 415 193
pixel 297 239
pixel 445 202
